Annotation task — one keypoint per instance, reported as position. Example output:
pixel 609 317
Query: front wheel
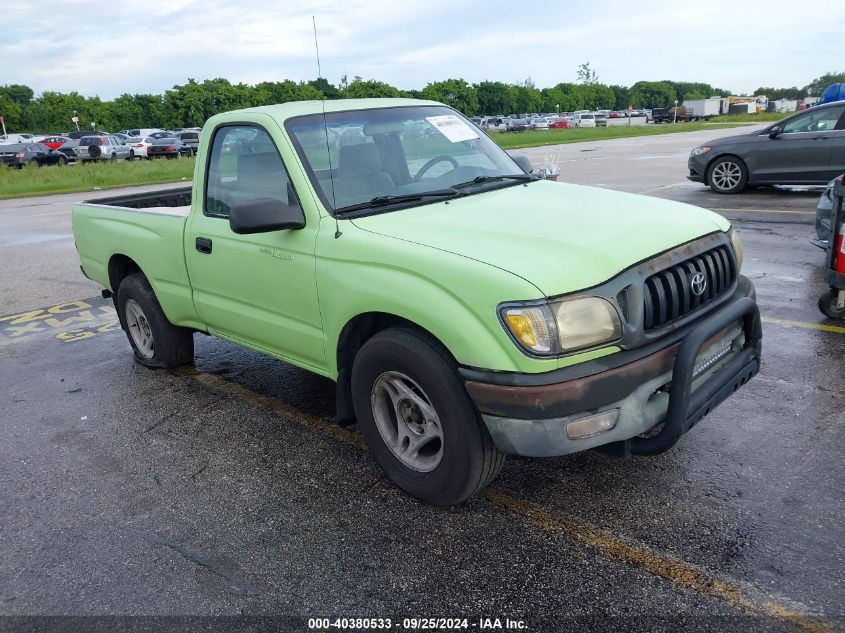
pixel 727 174
pixel 829 305
pixel 156 342
pixel 418 421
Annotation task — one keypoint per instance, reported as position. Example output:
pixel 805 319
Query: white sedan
pixel 138 147
pixel 539 123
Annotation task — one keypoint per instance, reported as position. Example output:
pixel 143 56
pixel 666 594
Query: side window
pixel 815 121
pixel 244 164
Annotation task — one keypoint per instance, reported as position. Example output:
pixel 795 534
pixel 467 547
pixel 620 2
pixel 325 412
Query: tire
pixel 727 174
pixel 34 163
pixel 155 341
pixel 131 155
pixel 405 387
pixel 62 161
pixel 828 305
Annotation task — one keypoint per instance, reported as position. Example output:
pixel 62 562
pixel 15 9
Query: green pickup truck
pixel 465 308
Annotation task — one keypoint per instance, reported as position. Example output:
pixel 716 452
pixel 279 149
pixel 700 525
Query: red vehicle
pixel 561 124
pixel 54 142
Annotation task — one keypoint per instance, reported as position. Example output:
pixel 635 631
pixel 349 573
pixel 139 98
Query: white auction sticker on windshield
pixel 452 127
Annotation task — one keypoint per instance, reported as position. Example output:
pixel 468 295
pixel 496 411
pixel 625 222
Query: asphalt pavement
pixel 225 489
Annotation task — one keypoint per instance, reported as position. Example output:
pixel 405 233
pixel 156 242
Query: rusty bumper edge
pixel 577 395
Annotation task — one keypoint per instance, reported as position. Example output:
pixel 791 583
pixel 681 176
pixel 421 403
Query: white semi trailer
pixel 703 108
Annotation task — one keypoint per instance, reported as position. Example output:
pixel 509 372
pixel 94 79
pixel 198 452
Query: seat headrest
pixel 360 158
pixel 258 166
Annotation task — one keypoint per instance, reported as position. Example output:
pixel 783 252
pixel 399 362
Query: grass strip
pixel 515 140
pixel 33 181
pixel 81 177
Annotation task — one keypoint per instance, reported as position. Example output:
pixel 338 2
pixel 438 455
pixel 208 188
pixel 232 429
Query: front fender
pixel 452 297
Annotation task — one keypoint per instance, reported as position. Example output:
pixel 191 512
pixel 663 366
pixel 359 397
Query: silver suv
pixel 102 148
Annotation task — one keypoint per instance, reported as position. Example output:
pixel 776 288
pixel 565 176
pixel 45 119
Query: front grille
pixel 668 295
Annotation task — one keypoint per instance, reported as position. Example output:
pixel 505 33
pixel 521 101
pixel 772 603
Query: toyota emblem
pixel 698 284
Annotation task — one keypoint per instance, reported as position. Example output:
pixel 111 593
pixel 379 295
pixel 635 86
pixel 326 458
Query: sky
pixel 107 48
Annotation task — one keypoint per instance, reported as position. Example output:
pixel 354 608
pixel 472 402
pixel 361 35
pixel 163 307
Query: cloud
pixel 109 48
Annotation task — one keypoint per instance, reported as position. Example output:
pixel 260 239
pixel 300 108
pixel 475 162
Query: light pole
pixel 675 112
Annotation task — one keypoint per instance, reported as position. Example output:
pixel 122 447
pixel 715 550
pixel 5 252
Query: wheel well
pixel 352 338
pixel 120 267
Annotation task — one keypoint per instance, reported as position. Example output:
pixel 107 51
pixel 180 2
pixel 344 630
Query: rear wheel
pixel 155 341
pixel 829 305
pixel 131 154
pixel 727 174
pixel 418 421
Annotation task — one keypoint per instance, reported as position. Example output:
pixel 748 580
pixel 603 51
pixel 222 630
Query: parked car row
pixel 17 150
pixel 579 118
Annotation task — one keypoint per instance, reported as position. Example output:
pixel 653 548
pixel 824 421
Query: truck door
pixel 802 152
pixel 258 289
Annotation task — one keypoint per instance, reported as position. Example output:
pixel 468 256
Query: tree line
pixel 190 104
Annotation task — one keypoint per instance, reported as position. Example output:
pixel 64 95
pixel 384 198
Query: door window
pixel 822 120
pixel 244 165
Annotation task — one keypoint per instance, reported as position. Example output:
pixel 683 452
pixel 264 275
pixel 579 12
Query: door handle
pixel 204 245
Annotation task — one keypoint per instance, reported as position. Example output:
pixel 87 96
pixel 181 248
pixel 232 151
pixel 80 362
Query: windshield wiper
pixel 379 201
pixel 480 179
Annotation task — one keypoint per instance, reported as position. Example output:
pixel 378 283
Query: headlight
pixel 533 327
pixel 737 244
pixel 563 326
pixel 698 151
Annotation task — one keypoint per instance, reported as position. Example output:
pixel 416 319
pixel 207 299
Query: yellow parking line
pixel 680 573
pixel 310 421
pixel 836 329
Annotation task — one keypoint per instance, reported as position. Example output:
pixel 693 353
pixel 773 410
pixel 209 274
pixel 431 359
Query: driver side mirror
pixel 524 162
pixel 775 132
pixel 263 215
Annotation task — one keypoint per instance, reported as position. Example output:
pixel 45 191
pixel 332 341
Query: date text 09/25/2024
pixel 416 624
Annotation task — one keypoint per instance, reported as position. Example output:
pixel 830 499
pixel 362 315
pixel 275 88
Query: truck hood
pixel 560 237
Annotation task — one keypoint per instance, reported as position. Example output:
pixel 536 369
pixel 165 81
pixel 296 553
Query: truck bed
pixel 144 230
pixel 177 197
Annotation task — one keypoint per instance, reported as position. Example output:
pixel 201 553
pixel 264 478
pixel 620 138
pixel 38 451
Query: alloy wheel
pixel 139 329
pixel 726 175
pixel 407 421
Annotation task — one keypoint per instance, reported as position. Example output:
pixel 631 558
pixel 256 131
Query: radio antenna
pixel 337 232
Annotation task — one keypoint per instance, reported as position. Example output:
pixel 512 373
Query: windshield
pixel 358 156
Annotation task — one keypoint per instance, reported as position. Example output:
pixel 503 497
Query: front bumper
pixel 661 394
pixel 697 168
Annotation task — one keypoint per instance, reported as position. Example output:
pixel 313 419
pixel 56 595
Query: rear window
pixel 587 116
pixel 189 136
pixel 90 140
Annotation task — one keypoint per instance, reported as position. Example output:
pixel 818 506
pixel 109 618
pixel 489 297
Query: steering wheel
pixel 432 163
